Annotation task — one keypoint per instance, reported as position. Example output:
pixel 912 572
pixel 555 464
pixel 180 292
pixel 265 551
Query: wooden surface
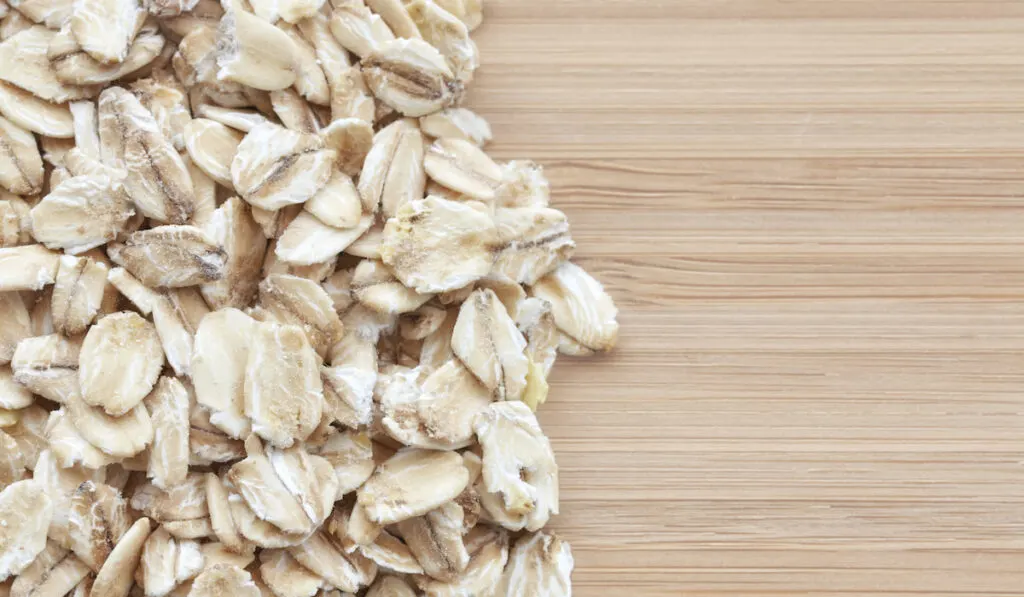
pixel 811 214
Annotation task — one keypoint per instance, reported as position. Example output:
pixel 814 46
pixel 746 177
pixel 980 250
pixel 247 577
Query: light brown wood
pixel 811 214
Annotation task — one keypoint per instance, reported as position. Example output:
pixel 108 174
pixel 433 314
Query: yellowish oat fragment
pixel 140 296
pixel 239 119
pixel 523 184
pixel 310 82
pixel 439 414
pixel 115 577
pixel 218 553
pixel 310 478
pixel 260 532
pixel 175 332
pixel 169 8
pixel 167 102
pixel 15 221
pixel 411 483
pixel 539 564
pixel 534 242
pixel 349 96
pixel 29 434
pixel 186 501
pixel 375 286
pixel 15 325
pixel 294 112
pixel 53 14
pixel 69 447
pixel 12 461
pixel 120 361
pixel 13 24
pixel 13 396
pixel 167 562
pixel 193 528
pixel 348 392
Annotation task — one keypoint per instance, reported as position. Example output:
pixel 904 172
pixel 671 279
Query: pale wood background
pixel 811 214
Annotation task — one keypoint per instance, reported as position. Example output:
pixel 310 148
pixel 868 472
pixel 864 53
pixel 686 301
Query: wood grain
pixel 811 213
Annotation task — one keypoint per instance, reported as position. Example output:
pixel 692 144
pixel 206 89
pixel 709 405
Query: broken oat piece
pixel 518 465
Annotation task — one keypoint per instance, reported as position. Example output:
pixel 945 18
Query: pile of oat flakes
pixel 272 324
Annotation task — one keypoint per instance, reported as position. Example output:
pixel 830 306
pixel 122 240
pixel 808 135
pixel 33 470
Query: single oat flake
pixel 273 323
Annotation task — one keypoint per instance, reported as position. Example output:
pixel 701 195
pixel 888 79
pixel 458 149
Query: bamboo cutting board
pixel 811 214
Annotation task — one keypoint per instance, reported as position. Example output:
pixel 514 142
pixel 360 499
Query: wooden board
pixel 811 214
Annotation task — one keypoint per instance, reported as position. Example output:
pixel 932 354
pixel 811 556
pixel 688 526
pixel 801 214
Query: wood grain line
pixel 811 214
